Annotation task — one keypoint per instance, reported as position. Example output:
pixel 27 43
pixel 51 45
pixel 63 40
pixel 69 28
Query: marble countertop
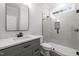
pixel 4 43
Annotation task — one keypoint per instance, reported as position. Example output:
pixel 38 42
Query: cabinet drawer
pixel 27 52
pixel 15 49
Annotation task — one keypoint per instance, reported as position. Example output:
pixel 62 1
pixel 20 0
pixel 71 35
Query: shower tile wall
pixel 77 8
pixel 67 35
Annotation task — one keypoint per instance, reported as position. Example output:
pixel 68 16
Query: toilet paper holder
pixel 77 30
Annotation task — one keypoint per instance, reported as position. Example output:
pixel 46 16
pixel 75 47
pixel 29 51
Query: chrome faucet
pixel 20 34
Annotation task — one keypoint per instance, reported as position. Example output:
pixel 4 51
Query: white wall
pixel 36 18
pixel 67 35
pixel 77 22
pixel 34 21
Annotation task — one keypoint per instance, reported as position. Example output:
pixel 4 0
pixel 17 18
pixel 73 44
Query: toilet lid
pixel 46 45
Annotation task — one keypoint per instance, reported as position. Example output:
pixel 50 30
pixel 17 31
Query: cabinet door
pixel 36 50
pixel 36 47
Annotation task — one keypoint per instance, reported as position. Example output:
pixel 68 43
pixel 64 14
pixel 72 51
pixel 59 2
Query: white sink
pixel 22 38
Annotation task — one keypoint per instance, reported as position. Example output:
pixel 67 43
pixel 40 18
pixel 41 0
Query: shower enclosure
pixel 67 17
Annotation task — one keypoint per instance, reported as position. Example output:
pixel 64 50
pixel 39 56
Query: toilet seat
pixel 46 46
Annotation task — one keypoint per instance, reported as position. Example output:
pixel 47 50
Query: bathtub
pixel 62 50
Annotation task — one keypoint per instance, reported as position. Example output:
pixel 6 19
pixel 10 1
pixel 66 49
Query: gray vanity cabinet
pixel 31 48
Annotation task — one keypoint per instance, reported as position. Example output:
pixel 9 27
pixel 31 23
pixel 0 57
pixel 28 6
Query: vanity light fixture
pixel 62 8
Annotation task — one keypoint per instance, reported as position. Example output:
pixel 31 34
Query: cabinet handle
pixel 37 50
pixel 26 46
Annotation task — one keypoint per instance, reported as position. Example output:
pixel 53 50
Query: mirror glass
pixel 16 17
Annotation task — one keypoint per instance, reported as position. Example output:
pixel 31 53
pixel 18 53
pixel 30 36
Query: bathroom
pixel 53 28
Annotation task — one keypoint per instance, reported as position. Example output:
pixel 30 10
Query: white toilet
pixel 45 48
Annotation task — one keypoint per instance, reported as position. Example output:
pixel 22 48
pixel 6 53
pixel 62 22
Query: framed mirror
pixel 16 17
